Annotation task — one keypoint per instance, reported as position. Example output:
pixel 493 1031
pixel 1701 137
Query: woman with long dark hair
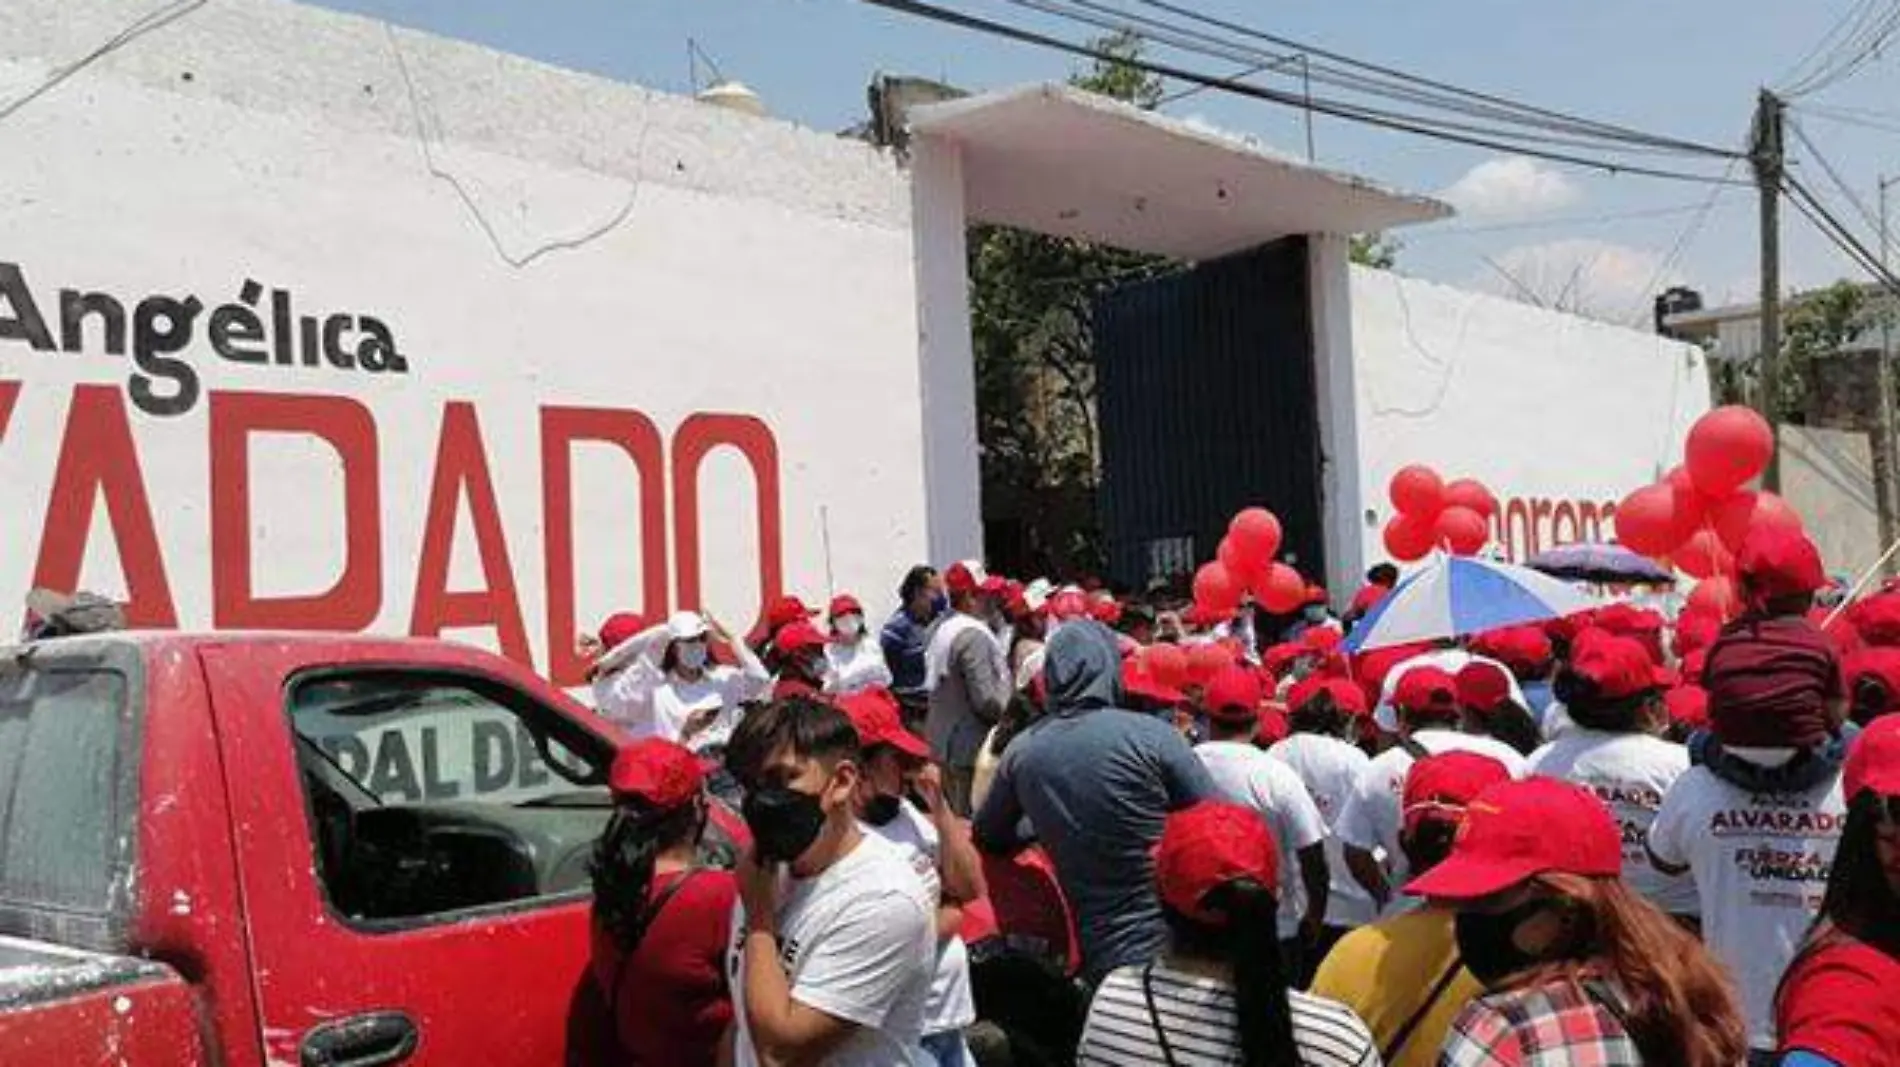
pixel 1578 967
pixel 1839 1005
pixel 661 919
pixel 1220 992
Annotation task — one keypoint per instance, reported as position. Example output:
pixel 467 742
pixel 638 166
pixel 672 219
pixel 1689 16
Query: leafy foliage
pixel 1031 301
pixel 1375 250
pixel 1820 324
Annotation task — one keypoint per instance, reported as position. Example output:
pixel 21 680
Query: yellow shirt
pixel 1385 972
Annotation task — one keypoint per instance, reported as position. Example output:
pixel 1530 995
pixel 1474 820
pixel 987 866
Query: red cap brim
pixel 1466 879
pixel 907 743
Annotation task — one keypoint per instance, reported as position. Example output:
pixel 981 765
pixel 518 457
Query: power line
pixel 1853 198
pixel 1390 72
pixel 1826 51
pixel 1557 221
pixel 1832 228
pixel 1683 241
pixel 1198 42
pixel 1336 109
pixel 1854 52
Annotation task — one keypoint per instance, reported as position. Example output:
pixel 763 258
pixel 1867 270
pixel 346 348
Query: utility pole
pixel 1765 153
pixel 1882 437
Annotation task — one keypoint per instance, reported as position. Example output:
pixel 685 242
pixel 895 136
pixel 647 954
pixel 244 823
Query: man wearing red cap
pixel 897 767
pixel 799 650
pixel 1757 819
pixel 1424 702
pixel 966 675
pixel 1402 974
pixel 1322 712
pixel 853 660
pixel 1246 776
pixel 1613 691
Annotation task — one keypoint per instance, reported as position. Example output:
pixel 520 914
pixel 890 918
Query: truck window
pixel 60 787
pixel 431 794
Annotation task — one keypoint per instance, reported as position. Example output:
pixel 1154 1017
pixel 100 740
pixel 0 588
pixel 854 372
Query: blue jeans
pixel 947 1049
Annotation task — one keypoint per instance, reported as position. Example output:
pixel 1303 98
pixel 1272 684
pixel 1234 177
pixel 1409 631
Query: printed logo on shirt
pixel 1742 822
pixel 1639 796
pixel 1783 865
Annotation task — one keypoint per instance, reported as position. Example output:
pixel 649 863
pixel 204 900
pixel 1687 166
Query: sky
pixel 1601 243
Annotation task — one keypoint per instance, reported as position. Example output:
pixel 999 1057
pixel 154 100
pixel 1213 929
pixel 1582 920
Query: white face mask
pixel 849 627
pixel 690 656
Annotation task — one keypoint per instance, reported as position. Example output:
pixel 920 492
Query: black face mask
pixel 784 822
pixel 1486 945
pixel 882 809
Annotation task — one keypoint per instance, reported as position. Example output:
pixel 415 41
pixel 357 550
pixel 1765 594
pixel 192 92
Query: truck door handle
pixel 373 1040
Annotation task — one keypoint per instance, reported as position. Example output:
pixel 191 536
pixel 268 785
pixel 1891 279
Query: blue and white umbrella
pixel 1455 596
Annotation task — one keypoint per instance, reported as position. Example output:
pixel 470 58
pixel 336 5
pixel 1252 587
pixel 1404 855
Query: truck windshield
pixel 60 786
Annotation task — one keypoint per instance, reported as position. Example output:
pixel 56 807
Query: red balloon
pixel 1282 591
pixel 1715 596
pixel 1726 448
pixel 1408 538
pixel 1692 508
pixel 1747 511
pixel 1244 568
pixel 1215 590
pixel 1166 664
pixel 1206 661
pixel 1418 490
pixel 1471 493
pixel 1462 530
pixel 1704 556
pixel 1256 533
pixel 1646 520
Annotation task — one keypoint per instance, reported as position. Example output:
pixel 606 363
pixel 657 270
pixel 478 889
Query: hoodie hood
pixel 1809 768
pixel 1082 668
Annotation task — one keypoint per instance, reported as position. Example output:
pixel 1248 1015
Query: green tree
pixel 1815 326
pixel 1031 302
pixel 1374 250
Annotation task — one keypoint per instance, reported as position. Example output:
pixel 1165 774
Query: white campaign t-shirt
pixel 677 701
pixel 855 667
pixel 858 943
pixel 1331 769
pixel 1373 815
pixel 1246 776
pixel 951 1005
pixel 1631 773
pixel 1760 863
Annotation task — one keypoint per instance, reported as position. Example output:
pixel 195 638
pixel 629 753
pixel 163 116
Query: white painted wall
pixel 1557 414
pixel 667 258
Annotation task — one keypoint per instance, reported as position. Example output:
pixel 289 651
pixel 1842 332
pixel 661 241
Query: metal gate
pixel 1207 404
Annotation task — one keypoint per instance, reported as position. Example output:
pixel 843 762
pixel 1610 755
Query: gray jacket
pixel 967 701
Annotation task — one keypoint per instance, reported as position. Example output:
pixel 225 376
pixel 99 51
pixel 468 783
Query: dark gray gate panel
pixel 1207 404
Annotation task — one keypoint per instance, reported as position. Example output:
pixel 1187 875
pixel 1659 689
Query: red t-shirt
pixel 1842 1001
pixel 671 1001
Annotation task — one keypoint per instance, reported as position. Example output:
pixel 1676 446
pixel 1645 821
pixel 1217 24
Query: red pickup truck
pixel 286 849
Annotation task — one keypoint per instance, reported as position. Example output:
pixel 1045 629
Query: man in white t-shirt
pixel 1322 712
pixel 834 940
pixel 939 849
pixel 1425 703
pixel 1614 691
pixel 1246 776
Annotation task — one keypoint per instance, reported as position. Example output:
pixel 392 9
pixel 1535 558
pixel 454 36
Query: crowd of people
pixel 1029 824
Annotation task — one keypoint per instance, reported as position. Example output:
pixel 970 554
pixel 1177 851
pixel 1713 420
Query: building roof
pixel 1058 160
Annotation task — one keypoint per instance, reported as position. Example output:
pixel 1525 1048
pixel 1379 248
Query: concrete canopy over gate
pixel 1060 161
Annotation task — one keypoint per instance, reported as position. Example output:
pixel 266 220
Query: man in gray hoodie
pixel 1096 783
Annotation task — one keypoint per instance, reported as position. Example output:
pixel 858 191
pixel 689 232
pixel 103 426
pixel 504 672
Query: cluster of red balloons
pixel 1245 564
pixel 1697 517
pixel 1434 513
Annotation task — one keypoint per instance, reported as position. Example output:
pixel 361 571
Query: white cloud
pixel 1596 279
pixel 1511 187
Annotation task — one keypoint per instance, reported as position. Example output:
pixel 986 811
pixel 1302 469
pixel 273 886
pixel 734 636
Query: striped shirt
pixel 1197 1016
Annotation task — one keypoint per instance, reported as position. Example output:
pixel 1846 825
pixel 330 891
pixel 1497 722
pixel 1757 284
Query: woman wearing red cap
pixel 854 659
pixel 1580 968
pixel 1219 993
pixel 1840 1003
pixel 660 919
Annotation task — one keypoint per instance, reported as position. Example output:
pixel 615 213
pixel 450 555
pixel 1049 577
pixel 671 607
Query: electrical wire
pixel 1826 51
pixel 1854 53
pixel 139 27
pixel 1684 241
pixel 1853 199
pixel 1846 118
pixel 1834 230
pixel 1571 132
pixel 1555 222
pixel 1546 114
pixel 1333 108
